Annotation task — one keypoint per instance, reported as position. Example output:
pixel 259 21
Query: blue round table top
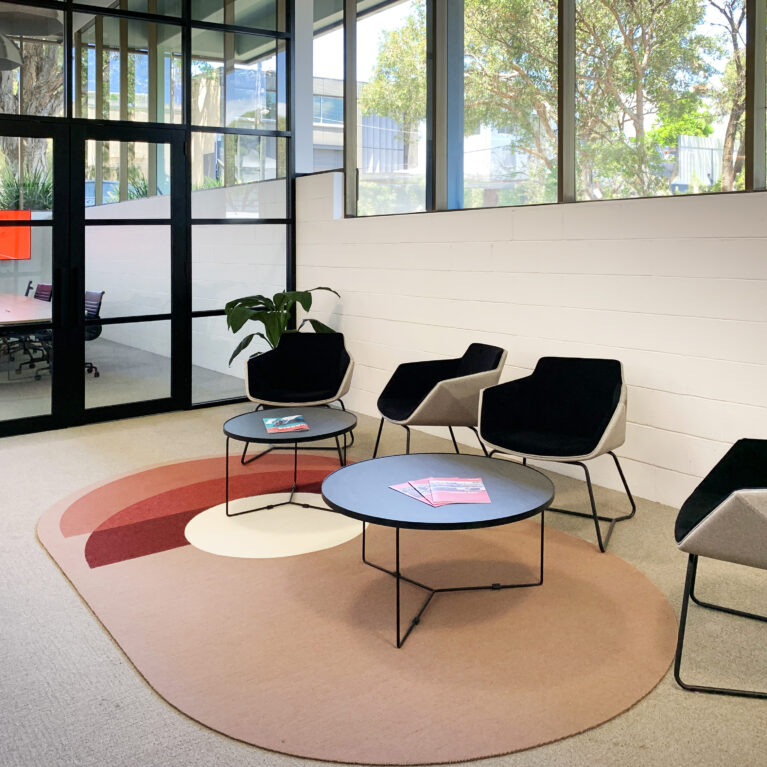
pixel 362 491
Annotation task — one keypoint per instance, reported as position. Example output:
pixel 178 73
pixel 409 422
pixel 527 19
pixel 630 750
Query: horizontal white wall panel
pixel 676 288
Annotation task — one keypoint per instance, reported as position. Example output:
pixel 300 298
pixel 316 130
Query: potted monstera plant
pixel 273 313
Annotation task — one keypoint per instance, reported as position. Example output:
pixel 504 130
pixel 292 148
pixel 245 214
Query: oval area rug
pixel 298 654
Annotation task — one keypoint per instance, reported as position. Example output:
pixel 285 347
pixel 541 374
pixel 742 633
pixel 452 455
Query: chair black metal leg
pixel 452 436
pixel 594 511
pixel 479 439
pixel 603 541
pixel 689 588
pixel 407 440
pixel 378 438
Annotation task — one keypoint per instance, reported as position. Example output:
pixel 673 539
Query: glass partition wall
pixel 145 151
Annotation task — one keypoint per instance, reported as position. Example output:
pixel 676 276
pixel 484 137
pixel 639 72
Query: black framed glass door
pixel 34 228
pixel 95 296
pixel 129 270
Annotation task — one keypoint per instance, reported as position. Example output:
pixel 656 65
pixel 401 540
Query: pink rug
pixel 297 654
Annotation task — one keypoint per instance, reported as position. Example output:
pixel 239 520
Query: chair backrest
pixel 302 367
pixel 321 356
pixel 479 358
pixel 29 288
pixel 583 391
pixel 43 291
pixel 93 300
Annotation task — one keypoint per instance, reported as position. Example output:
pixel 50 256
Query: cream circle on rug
pixel 280 532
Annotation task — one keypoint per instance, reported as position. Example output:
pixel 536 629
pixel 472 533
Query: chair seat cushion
pixel 532 442
pixel 744 466
pixel 399 408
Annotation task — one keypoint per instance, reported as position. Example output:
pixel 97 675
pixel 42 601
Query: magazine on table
pixel 423 488
pixel 285 423
pixel 442 491
pixel 407 489
pixel 458 490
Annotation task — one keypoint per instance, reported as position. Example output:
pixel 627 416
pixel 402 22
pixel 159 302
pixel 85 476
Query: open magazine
pixel 441 491
pixel 285 423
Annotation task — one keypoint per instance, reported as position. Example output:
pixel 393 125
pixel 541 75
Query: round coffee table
pixel 323 423
pixel 363 491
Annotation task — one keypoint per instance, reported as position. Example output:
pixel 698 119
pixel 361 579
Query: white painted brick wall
pixel 675 288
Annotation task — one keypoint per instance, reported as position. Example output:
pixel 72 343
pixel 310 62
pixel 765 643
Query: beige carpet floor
pixel 70 696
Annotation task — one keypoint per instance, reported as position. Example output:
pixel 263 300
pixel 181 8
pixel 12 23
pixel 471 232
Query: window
pixel 391 128
pixel 660 99
pixel 659 94
pixel 329 110
pixel 32 80
pixel 128 70
pixel 510 103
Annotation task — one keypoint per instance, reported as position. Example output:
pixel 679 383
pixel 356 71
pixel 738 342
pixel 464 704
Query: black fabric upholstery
pixel 479 358
pixel 412 382
pixel 562 409
pixel 305 367
pixel 744 466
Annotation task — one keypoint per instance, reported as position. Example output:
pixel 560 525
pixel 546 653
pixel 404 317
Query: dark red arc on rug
pixel 157 523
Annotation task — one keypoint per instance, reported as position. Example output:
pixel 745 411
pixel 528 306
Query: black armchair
pixel 568 410
pixel 304 369
pixel 725 518
pixel 440 392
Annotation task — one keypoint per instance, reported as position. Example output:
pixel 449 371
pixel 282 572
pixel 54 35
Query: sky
pixel 329 48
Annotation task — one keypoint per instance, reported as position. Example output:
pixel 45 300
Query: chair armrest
pixel 418 377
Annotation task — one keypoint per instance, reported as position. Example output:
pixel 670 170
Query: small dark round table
pixel 362 491
pixel 323 423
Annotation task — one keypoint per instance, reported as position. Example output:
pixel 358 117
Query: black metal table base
pixel 341 458
pixel 399 577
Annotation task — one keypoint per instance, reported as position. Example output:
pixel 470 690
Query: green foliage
pixel 273 313
pixel 34 193
pixel 138 186
pixel 695 122
pixel 397 88
pixel 645 74
pixel 209 183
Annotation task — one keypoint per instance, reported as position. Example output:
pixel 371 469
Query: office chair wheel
pixel 96 374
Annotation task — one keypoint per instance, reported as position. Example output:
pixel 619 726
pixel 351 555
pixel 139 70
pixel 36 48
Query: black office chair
pixel 724 518
pixel 440 392
pixel 43 291
pixel 38 346
pixel 568 410
pixel 93 299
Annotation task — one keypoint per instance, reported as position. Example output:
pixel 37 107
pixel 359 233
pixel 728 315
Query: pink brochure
pixel 423 487
pixel 410 491
pixel 457 490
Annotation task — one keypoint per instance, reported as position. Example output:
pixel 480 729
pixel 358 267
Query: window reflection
pixel 128 70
